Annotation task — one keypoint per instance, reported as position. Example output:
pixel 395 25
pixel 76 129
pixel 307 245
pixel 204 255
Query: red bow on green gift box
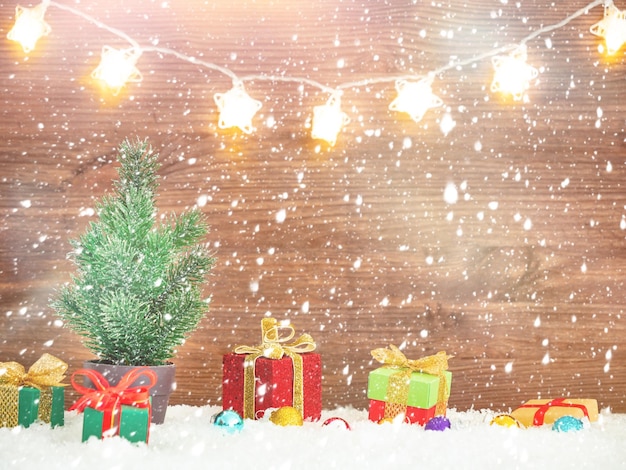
pixel 109 399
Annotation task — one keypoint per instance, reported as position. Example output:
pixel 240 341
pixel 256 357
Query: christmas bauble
pixel 228 421
pixel 567 424
pixel 438 423
pixel 506 421
pixel 286 416
pixel 336 422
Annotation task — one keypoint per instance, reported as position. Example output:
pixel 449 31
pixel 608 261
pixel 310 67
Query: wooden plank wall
pixel 522 279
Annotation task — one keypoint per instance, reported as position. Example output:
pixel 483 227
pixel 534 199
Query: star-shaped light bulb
pixel 236 109
pixel 329 119
pixel 612 28
pixel 415 98
pixel 117 67
pixel 513 74
pixel 29 26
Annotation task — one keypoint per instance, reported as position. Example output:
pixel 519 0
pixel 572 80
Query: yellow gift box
pixel 539 412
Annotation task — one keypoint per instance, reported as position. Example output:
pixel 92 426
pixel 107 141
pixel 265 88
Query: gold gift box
pixel 539 412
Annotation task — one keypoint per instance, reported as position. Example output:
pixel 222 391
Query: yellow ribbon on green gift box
pixel 398 386
pixel 48 371
pixel 273 346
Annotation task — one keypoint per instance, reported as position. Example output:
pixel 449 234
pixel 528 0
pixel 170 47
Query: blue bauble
pixel 228 421
pixel 438 423
pixel 567 424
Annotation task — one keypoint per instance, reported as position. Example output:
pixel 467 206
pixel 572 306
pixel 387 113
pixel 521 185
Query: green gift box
pixel 36 394
pixel 121 410
pixel 422 388
pixel 134 423
pixel 418 383
pixel 22 406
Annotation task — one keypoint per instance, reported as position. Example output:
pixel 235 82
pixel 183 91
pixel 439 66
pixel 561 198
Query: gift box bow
pixel 47 371
pixel 109 399
pixel 434 365
pixel 105 396
pixel 274 345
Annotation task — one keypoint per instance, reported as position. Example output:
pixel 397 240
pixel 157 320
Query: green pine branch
pixel 136 294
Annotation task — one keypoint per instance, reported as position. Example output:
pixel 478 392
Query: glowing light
pixel 513 74
pixel 414 93
pixel 236 109
pixel 117 67
pixel 612 28
pixel 415 98
pixel 328 120
pixel 29 26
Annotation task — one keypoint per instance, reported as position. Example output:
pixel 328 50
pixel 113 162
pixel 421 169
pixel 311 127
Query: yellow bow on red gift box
pixel 47 371
pixel 273 346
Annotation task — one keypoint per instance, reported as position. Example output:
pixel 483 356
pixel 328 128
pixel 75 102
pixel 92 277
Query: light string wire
pixel 347 85
pixel 419 91
pixel 92 20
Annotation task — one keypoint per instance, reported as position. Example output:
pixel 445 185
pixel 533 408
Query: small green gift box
pixel 423 388
pixel 419 383
pixel 26 397
pixel 134 424
pixel 115 410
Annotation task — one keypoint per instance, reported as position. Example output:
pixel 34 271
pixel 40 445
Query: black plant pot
pixel 160 393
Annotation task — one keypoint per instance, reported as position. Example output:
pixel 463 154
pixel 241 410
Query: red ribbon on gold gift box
pixel 540 412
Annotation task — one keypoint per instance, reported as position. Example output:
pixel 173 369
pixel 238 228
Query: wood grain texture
pixel 522 279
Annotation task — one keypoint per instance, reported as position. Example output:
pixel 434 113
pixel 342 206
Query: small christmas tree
pixel 136 295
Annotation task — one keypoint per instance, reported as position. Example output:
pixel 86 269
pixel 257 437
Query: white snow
pixel 188 440
pixel 281 215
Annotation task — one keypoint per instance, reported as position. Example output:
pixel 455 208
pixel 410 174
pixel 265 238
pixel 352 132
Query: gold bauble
pixel 506 421
pixel 286 416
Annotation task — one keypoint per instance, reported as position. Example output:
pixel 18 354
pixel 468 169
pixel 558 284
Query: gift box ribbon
pixel 398 386
pixel 47 371
pixel 275 346
pixel 109 399
pixel 542 409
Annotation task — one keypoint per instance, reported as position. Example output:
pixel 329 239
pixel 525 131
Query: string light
pixel 513 74
pixel 328 120
pixel 612 28
pixel 29 26
pixel 415 98
pixel 117 67
pixel 237 109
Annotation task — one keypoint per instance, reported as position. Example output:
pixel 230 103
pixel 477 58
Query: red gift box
pixel 281 371
pixel 413 415
pixel 274 384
